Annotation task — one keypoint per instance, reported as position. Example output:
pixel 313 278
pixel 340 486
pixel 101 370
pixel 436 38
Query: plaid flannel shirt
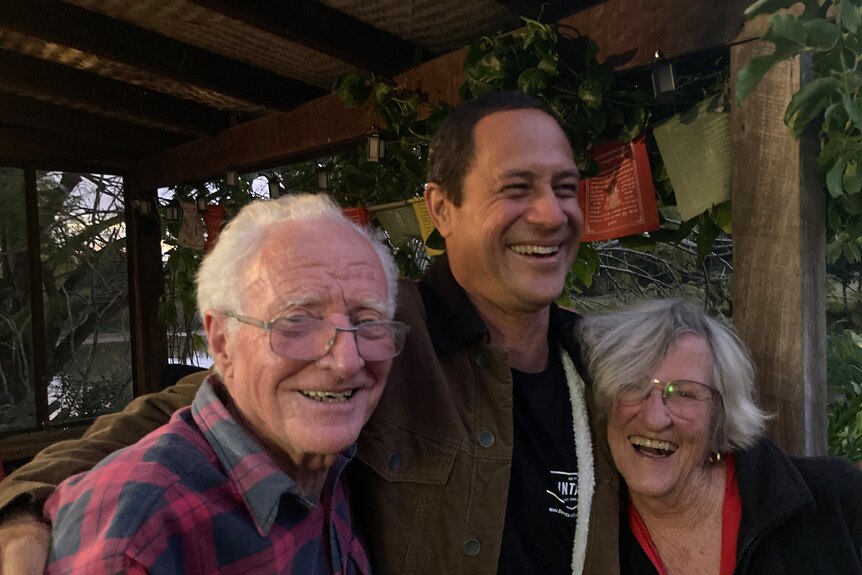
pixel 200 495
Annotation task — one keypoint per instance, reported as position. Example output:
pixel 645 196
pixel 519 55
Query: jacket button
pixel 482 360
pixel 472 547
pixel 394 461
pixel 486 439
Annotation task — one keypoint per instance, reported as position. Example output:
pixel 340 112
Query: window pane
pixel 85 291
pixel 17 399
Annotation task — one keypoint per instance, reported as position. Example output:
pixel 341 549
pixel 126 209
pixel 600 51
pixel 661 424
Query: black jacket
pixel 800 516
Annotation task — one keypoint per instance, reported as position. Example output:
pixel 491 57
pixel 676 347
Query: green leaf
pixel 383 92
pixel 808 102
pixel 849 15
pixel 854 110
pixel 821 34
pixel 586 265
pixel 549 64
pixel 353 89
pixel 767 7
pixel 591 93
pixel 833 179
pixel 722 216
pixel 788 33
pixel 749 76
pixel 635 119
pixel 532 81
pixel 852 178
pixel 706 239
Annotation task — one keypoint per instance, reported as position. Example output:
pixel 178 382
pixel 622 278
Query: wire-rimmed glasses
pixel 682 398
pixel 309 339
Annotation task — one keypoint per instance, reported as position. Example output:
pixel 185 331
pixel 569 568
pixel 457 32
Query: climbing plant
pixel 829 32
pixel 595 103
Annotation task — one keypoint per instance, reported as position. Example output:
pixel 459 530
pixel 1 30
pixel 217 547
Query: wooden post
pixel 146 283
pixel 779 255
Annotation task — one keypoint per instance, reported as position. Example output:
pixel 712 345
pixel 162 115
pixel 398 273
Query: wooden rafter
pixel 546 10
pixel 102 44
pixel 55 83
pixel 31 113
pixel 325 30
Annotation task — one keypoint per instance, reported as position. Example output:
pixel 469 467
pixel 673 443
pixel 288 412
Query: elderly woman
pixel 706 493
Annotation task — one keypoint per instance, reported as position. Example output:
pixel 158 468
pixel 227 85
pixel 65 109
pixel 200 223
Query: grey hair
pixel 217 280
pixel 621 348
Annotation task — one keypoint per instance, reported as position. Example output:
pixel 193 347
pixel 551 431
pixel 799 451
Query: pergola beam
pixel 58 84
pixel 30 113
pixel 325 30
pixel 120 45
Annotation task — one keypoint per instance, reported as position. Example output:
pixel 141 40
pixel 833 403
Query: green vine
pixel 595 104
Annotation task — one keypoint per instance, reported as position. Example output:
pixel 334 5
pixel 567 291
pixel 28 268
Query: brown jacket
pixel 423 487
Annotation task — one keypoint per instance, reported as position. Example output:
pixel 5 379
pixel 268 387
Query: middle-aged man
pixel 479 458
pixel 297 304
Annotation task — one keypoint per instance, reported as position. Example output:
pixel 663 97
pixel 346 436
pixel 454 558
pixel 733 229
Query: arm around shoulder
pixel 34 482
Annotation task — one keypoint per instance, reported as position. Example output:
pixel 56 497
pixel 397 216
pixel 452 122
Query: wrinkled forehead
pixel 315 262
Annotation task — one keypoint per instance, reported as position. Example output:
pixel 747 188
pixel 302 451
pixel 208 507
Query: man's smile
pixel 535 250
pixel 328 396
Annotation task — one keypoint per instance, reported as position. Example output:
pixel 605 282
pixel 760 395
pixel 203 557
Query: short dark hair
pixel 452 148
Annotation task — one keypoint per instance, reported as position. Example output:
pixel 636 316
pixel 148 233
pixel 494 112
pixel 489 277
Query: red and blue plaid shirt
pixel 200 495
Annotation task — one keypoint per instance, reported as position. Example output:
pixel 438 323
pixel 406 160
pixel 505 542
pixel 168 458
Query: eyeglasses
pixel 309 339
pixel 682 398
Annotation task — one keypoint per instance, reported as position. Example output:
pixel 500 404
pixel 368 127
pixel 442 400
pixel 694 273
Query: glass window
pixel 17 395
pixel 85 294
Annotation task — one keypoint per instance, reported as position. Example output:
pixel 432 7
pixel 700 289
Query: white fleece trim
pixel 586 470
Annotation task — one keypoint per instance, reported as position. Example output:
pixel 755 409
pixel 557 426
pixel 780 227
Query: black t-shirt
pixel 543 488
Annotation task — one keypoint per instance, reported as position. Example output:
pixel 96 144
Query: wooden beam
pixel 628 32
pixel 779 259
pixel 282 137
pixel 159 63
pixel 324 30
pixel 546 10
pixel 50 151
pixel 29 113
pixel 317 127
pixel 58 84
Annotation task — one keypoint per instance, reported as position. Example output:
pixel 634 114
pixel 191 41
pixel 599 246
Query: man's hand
pixel 24 542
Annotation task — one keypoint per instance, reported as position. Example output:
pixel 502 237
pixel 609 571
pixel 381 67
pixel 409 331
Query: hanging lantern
pixel 274 186
pixel 172 212
pixel 663 79
pixel 231 177
pixel 322 179
pixel 376 147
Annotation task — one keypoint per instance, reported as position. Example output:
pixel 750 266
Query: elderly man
pixel 479 458
pixel 297 304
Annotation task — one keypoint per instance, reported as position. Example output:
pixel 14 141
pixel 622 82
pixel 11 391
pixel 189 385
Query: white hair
pixel 622 347
pixel 218 285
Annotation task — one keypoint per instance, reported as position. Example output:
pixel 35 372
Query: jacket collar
pixel 768 498
pixel 452 319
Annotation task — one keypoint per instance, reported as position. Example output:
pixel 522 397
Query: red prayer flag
pixel 620 200
pixel 213 219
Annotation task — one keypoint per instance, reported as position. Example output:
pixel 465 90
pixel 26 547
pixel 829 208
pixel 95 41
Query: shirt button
pixel 472 547
pixel 486 439
pixel 482 360
pixel 394 461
